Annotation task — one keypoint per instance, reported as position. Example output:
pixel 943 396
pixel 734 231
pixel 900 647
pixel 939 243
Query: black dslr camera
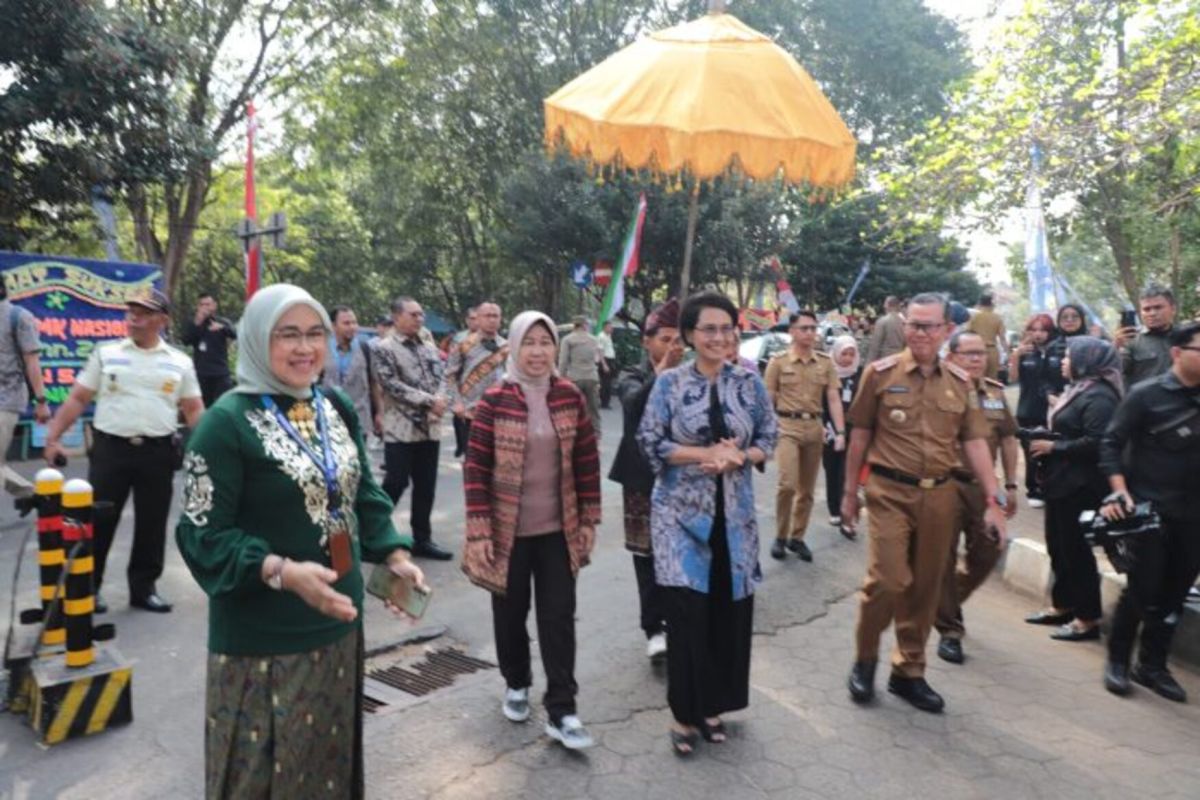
pixel 1027 435
pixel 1119 537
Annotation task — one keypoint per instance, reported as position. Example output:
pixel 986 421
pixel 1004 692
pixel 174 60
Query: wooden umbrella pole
pixel 693 212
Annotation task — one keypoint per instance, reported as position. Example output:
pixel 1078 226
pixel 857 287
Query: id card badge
pixel 338 543
pixel 847 394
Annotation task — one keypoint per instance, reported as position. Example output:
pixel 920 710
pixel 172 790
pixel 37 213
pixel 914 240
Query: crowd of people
pixel 281 505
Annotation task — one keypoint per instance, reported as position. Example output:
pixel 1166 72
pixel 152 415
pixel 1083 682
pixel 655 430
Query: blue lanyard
pixel 325 461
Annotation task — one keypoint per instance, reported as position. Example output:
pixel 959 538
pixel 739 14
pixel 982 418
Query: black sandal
pixel 679 741
pixel 711 732
pixel 848 532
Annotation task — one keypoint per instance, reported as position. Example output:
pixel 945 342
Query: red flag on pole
pixel 253 246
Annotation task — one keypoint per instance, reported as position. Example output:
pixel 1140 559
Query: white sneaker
pixel 516 705
pixel 1035 502
pixel 571 733
pixel 656 648
pixel 835 521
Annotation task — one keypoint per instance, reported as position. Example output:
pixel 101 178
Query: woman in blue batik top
pixel 706 424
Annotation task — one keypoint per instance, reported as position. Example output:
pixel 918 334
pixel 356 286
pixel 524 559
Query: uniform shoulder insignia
pixel 993 382
pixel 956 371
pixel 886 362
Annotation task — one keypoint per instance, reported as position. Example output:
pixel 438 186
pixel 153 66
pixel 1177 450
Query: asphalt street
pixel 1026 717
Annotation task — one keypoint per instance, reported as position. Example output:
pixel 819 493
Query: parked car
pixel 762 347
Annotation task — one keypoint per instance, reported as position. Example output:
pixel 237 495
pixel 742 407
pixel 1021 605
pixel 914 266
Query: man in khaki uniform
pixel 887 337
pixel 982 549
pixel 990 327
pixel 797 380
pixel 908 420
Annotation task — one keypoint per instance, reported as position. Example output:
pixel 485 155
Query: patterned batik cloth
pixel 285 726
pixel 637 521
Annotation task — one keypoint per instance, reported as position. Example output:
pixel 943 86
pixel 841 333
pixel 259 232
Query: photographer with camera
pixel 1072 483
pixel 1160 423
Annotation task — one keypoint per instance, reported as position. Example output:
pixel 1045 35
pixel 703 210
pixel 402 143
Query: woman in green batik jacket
pixel 279 508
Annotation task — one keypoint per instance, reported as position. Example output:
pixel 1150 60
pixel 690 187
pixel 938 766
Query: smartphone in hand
pixel 387 585
pixel 1129 318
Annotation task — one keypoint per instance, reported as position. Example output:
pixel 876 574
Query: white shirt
pixel 606 345
pixel 138 391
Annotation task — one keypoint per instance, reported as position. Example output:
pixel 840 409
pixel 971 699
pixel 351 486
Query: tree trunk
pixel 1122 250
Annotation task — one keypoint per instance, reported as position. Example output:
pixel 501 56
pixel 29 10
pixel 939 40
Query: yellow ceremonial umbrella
pixel 704 98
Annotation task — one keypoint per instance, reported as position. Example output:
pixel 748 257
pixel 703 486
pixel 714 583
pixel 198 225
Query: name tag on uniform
pixel 993 405
pixel 896 390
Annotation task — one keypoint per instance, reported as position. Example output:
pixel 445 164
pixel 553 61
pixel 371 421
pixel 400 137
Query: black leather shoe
pixel 862 681
pixel 1069 633
pixel 917 692
pixel 779 550
pixel 950 650
pixel 431 550
pixel 1116 678
pixel 101 606
pixel 1049 618
pixel 1159 681
pixel 151 602
pixel 798 547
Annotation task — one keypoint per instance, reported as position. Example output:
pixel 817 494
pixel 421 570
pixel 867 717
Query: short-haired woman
pixel 706 424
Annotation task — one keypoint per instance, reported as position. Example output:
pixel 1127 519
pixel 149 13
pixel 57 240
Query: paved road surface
pixel 1026 717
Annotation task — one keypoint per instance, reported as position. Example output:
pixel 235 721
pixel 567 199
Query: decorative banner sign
pixel 757 319
pixel 78 302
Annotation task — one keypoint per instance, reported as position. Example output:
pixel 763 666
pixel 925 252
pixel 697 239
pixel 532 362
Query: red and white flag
pixel 784 289
pixel 254 246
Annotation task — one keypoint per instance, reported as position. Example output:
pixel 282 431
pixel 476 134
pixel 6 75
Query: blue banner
pixel 78 302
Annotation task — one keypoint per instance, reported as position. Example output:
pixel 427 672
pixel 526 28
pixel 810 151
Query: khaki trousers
pixel 992 370
pixel 910 533
pixel 798 455
pixel 979 559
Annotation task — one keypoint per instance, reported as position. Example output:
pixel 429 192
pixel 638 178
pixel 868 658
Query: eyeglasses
pixel 715 330
pixel 972 353
pixel 805 328
pixel 292 337
pixel 1189 347
pixel 924 327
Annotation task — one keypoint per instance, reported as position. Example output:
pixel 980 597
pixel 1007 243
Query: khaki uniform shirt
pixel 138 391
pixel 994 405
pixel 798 384
pixel 988 325
pixel 886 339
pixel 918 422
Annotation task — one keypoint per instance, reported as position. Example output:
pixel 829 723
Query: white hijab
pixel 254 375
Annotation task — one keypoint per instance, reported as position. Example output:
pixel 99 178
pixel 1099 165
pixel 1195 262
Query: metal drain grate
pixel 436 671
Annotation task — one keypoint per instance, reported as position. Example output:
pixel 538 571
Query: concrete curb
pixel 1025 567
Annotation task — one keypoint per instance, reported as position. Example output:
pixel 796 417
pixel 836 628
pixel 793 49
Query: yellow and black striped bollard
pixel 48 485
pixel 78 603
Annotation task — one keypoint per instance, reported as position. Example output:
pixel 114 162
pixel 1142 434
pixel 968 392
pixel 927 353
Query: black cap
pixel 151 298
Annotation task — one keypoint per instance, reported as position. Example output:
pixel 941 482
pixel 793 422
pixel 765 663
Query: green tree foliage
pixel 437 142
pixel 1110 92
pixel 82 84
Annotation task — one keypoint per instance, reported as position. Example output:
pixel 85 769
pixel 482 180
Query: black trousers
pixel 1076 578
pixel 650 596
pixel 542 560
pixel 607 376
pixel 416 462
pixel 1166 565
pixel 834 462
pixel 212 387
pixel 1033 488
pixel 116 468
pixel 462 429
